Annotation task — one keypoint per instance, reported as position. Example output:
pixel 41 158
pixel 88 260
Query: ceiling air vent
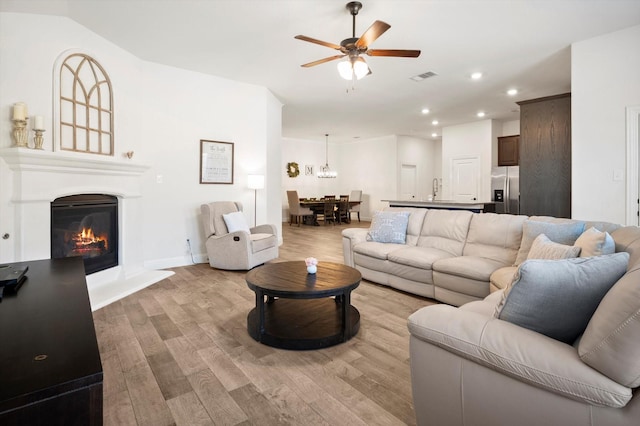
pixel 423 76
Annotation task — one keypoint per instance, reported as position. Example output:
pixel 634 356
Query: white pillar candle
pixel 38 122
pixel 19 111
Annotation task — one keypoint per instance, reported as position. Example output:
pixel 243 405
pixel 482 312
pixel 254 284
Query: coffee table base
pixel 303 324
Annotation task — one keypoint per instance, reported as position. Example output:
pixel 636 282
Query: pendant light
pixel 325 171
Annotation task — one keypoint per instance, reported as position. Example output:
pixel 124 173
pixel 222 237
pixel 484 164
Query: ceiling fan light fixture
pixel 350 68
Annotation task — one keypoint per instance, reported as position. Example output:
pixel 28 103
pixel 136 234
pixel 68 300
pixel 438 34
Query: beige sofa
pixel 470 368
pixel 453 256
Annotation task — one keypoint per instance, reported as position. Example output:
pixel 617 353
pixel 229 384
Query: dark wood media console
pixel 50 369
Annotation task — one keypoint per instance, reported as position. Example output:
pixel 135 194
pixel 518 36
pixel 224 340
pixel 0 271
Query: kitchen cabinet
pixel 508 150
pixel 545 156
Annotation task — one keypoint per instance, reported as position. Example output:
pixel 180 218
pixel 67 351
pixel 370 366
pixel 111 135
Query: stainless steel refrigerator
pixel 505 189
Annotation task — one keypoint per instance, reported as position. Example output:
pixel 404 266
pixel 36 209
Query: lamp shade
pixel 255 181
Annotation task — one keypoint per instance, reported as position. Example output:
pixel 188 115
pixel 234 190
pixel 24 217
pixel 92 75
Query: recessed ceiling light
pixel 476 75
pixel 425 110
pixel 434 122
pixel 512 92
pixel 434 135
pixel 480 114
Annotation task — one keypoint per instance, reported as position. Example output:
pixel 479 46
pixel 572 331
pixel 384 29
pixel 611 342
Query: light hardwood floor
pixel 178 352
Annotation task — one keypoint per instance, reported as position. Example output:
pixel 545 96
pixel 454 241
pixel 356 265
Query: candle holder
pixel 38 139
pixel 20 133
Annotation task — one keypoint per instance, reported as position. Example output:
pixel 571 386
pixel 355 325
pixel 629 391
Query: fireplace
pixel 86 225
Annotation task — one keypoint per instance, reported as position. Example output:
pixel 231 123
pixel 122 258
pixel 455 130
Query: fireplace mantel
pixel 25 159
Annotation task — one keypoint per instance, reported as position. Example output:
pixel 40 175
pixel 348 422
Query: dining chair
pixel 343 209
pixel 295 209
pixel 329 211
pixel 356 195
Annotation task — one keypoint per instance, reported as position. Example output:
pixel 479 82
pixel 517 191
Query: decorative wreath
pixel 293 170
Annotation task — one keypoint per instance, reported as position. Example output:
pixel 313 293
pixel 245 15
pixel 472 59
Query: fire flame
pixel 87 237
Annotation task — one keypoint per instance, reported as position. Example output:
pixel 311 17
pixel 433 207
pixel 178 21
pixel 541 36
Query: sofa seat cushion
pixel 502 277
pixel 517 352
pixel 376 250
pixel 419 257
pixel 474 267
pixel 261 242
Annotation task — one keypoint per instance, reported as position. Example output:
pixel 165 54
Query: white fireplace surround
pixel 39 177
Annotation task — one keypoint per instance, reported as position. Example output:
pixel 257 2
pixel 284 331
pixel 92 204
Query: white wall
pixel 475 139
pixel 510 128
pixel 605 79
pixel 371 165
pixel 161 113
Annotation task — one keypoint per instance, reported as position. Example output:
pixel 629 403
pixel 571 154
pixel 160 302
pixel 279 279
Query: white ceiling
pixel 515 43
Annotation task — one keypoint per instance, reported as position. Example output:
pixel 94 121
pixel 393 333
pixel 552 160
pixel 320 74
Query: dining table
pixel 317 206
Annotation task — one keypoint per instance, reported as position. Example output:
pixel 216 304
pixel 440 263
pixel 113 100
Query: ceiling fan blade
pixel 320 42
pixel 322 61
pixel 394 52
pixel 373 32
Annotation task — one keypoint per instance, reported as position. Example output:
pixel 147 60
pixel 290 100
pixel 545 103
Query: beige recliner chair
pixel 238 250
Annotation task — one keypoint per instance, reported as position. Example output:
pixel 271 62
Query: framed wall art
pixel 308 170
pixel 216 162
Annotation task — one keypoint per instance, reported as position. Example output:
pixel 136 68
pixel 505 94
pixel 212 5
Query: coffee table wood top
pixel 291 280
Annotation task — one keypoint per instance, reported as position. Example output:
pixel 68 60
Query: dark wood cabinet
pixel 50 369
pixel 545 156
pixel 508 150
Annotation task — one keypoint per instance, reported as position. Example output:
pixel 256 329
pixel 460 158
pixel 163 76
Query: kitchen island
pixel 476 206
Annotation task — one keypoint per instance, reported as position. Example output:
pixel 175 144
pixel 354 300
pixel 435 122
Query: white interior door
pixel 408 181
pixel 465 179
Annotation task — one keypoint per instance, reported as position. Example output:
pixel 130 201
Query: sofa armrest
pixel 517 352
pixel 264 229
pixel 350 238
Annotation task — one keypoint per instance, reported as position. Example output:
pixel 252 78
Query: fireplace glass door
pixel 87 226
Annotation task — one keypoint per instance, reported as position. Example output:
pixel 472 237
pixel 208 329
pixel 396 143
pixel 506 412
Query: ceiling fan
pixel 355 66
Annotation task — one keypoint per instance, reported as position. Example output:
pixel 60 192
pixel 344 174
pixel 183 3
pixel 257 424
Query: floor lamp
pixel 255 182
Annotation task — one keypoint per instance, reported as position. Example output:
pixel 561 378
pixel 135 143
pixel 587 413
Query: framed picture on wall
pixel 308 170
pixel 216 162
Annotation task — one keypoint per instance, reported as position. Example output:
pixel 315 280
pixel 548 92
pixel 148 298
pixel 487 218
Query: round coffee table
pixel 301 310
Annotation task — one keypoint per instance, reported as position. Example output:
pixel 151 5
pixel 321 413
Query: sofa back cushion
pixel 611 341
pixel 416 218
pixel 445 230
pixel 494 236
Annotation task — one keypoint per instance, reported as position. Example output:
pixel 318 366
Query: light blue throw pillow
pixel 389 227
pixel 558 297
